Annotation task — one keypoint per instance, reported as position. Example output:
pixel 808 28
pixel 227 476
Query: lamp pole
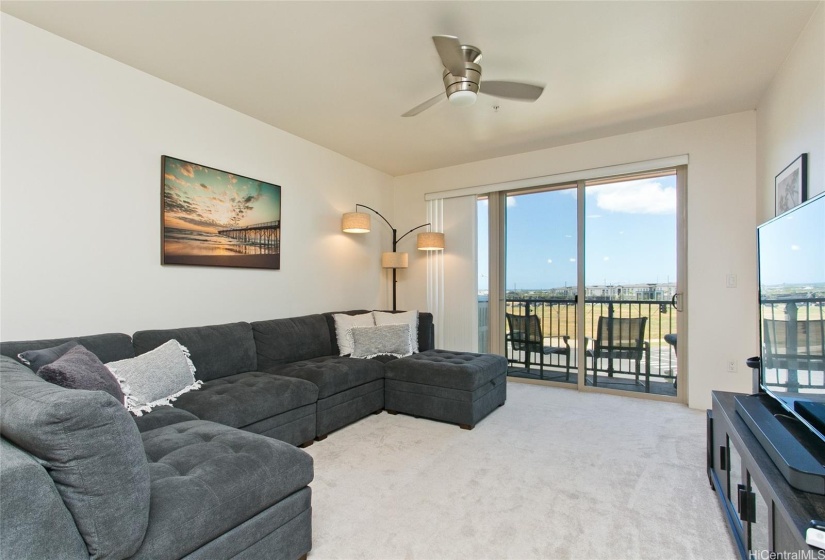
pixel 395 241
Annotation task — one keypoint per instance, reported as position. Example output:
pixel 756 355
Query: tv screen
pixel 792 311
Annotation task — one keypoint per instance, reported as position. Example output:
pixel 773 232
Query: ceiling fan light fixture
pixel 463 98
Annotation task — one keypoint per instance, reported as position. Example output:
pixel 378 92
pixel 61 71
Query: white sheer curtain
pixel 452 275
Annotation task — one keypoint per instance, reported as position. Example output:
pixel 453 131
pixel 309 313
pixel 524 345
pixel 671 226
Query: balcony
pixel 651 370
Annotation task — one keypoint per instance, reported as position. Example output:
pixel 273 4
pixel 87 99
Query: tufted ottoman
pixel 457 387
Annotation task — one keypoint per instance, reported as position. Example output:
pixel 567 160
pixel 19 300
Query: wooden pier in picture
pixel 267 234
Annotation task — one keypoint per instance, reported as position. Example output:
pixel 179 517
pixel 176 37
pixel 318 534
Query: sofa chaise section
pixel 81 481
pixel 234 392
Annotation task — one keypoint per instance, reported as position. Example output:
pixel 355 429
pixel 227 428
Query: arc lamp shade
pixel 431 241
pixel 355 222
pixel 394 260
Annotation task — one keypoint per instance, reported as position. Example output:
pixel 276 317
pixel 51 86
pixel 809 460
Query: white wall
pixel 721 228
pixel 790 117
pixel 82 136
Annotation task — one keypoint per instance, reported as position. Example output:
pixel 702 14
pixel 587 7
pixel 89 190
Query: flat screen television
pixel 787 415
pixel 791 250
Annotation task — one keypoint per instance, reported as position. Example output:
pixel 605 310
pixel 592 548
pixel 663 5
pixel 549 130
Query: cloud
pixel 187 169
pixel 549 261
pixel 204 187
pixel 606 259
pixel 175 203
pixel 635 197
pixel 243 205
pixel 511 201
pixel 170 177
pixel 201 221
pixel 572 260
pixel 795 247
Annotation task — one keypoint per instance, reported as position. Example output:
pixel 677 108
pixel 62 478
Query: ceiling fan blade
pixel 424 106
pixel 449 49
pixel 511 90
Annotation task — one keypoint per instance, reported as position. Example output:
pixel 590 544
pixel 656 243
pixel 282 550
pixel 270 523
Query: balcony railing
pixel 652 369
pixel 793 339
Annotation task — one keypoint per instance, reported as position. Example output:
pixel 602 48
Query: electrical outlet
pixel 730 281
pixel 731 366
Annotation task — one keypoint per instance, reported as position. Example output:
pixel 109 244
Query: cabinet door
pixel 760 527
pixel 736 481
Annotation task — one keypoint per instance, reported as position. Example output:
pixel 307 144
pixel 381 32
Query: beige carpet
pixel 553 474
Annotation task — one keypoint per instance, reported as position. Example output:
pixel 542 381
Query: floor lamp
pixel 359 222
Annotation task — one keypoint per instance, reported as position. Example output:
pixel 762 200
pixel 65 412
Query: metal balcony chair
pixel 525 336
pixel 621 338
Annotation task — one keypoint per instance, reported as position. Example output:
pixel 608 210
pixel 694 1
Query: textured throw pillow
pixel 156 378
pixel 384 340
pixel 36 359
pixel 343 325
pixel 80 369
pixel 407 318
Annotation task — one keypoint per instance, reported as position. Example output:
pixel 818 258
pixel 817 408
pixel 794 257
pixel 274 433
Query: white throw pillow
pixel 155 378
pixel 384 340
pixel 405 318
pixel 343 325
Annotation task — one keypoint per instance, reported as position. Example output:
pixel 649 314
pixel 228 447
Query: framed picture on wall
pixel 211 217
pixel 791 185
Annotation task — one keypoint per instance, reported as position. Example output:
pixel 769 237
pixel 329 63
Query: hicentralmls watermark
pixel 795 555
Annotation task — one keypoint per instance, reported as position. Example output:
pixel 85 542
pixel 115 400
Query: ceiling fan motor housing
pixel 468 82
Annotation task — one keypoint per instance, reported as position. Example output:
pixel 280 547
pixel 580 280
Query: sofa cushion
pixel 464 371
pixel 91 448
pixel 246 398
pixel 80 369
pixel 107 347
pixel 208 478
pixel 162 416
pixel 283 341
pixel 333 374
pixel 27 500
pixel 216 350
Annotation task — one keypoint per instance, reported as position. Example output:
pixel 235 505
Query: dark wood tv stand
pixel 763 511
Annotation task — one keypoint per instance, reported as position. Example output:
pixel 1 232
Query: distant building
pixel 604 292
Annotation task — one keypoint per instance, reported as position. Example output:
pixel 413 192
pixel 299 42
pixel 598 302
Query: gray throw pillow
pixel 404 317
pixel 36 359
pixel 155 378
pixel 383 340
pixel 80 369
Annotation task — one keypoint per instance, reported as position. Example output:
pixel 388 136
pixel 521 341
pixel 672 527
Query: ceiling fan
pixel 462 78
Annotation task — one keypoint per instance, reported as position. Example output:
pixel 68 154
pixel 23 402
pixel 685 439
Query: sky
pixel 630 235
pixel 792 247
pixel 200 198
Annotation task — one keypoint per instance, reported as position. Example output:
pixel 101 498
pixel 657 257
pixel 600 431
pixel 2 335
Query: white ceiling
pixel 340 74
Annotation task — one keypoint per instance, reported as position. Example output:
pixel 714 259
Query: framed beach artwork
pixel 217 218
pixel 791 185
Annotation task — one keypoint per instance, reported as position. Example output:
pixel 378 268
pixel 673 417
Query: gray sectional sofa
pixel 82 477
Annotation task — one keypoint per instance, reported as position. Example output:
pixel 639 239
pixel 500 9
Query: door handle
pixel 675 301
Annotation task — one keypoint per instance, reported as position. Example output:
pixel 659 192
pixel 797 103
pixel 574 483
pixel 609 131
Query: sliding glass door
pixel 630 268
pixel 542 283
pixel 590 283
